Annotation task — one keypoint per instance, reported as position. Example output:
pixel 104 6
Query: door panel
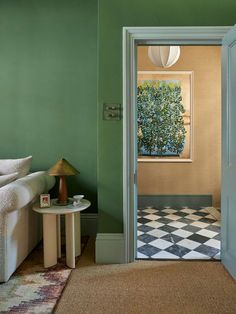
pixel 231 218
pixel 232 107
pixel 228 197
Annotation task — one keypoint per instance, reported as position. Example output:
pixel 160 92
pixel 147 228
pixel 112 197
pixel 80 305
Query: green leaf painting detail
pixel 161 128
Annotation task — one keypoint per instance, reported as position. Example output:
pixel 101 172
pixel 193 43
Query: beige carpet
pixel 148 287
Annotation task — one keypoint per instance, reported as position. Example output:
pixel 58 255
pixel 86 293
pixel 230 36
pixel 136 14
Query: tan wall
pixel 202 176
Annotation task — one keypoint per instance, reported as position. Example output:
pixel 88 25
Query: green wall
pixel 48 83
pixel 113 15
pixel 48 86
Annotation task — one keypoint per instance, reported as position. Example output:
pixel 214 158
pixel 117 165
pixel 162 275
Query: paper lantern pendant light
pixel 164 56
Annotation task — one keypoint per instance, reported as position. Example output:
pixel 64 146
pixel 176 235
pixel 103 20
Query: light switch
pixel 111 112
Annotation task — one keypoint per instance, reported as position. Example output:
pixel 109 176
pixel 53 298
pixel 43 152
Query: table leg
pixel 50 239
pixel 59 236
pixel 70 240
pixel 77 234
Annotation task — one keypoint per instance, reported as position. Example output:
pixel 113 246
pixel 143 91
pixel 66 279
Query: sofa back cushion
pixel 7 178
pixel 21 165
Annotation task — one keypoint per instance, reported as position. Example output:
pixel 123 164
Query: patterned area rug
pixel 33 288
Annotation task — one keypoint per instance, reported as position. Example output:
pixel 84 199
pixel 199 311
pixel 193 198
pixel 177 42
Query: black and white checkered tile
pixel 177 233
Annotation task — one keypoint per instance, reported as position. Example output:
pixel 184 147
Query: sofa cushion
pixel 7 178
pixel 19 224
pixel 21 165
pixel 21 192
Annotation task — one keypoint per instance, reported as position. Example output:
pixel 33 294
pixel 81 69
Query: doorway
pixel 179 150
pixel 223 36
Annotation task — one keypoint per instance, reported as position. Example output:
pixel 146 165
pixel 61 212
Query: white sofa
pixel 20 226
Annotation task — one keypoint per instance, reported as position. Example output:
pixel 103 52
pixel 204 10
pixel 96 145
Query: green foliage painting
pixel 161 130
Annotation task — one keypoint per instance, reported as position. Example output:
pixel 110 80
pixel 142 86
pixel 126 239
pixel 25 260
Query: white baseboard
pixel 110 248
pixel 89 224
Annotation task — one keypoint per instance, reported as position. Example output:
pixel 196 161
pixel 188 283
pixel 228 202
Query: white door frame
pixel 132 36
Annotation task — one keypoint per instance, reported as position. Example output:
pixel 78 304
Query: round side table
pixel 52 231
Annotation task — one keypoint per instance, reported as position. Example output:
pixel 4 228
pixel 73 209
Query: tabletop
pixel 58 210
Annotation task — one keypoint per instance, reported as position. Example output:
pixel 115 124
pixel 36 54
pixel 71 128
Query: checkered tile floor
pixel 177 233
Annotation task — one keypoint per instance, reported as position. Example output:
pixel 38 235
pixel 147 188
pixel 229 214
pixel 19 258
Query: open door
pixel 228 197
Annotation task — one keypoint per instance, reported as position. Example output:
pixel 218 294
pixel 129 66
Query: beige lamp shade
pixel 62 169
pixel 164 56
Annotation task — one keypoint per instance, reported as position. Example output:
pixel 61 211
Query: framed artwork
pixel 164 116
pixel 45 200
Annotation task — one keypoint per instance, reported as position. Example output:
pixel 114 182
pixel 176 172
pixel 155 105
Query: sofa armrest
pixel 21 192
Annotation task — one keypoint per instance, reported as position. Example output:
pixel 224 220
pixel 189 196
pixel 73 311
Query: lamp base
pixel 57 203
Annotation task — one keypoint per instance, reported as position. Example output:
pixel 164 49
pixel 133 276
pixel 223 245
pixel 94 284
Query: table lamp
pixel 62 169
